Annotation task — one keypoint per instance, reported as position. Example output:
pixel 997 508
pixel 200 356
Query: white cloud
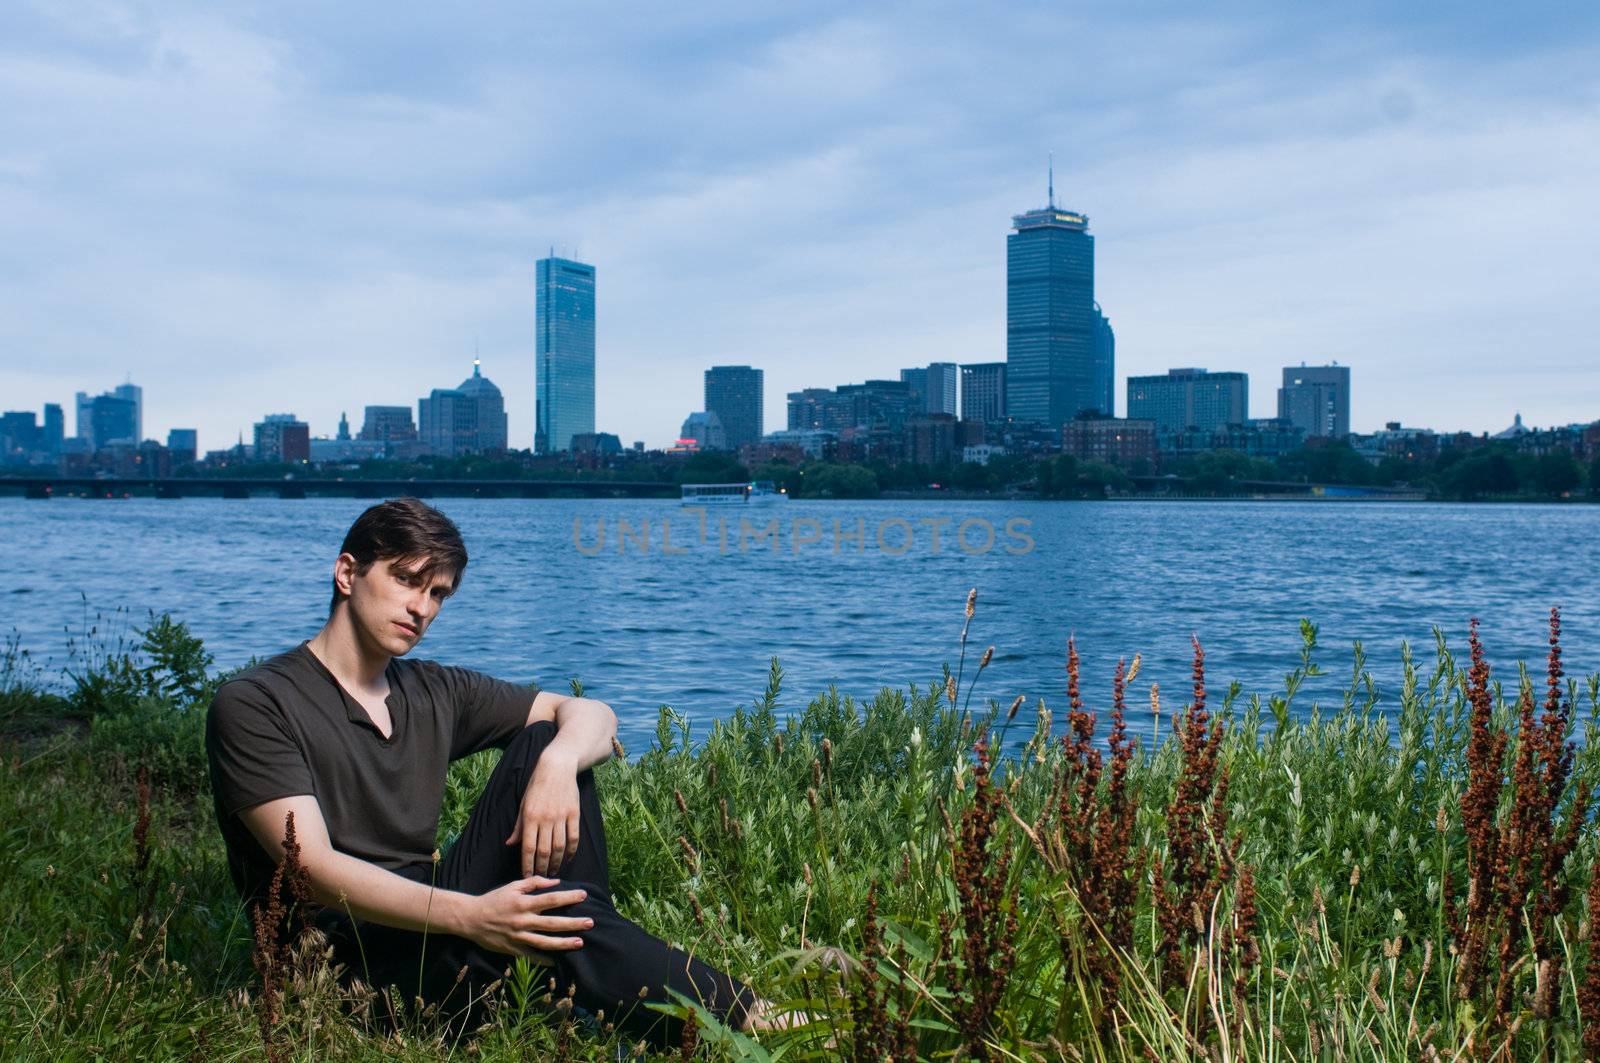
pixel 325 208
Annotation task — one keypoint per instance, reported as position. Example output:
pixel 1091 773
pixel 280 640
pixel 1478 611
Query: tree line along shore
pixel 1492 471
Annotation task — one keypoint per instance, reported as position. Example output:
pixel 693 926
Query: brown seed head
pixel 988 655
pixel 1011 713
pixel 972 602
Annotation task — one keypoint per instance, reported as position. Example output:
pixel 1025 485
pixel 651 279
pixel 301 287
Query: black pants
pixel 620 968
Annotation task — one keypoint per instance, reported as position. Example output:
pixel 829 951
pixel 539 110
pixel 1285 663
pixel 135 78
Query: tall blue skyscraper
pixel 1053 327
pixel 1105 364
pixel 564 348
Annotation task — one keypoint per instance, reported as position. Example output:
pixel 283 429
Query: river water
pixel 854 594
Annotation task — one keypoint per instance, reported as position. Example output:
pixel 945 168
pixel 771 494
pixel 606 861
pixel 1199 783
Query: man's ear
pixel 344 572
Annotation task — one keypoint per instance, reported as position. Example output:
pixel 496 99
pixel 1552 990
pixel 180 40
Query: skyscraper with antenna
pixel 1059 360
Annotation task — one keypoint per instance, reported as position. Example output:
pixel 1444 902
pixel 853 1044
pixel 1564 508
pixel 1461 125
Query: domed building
pixel 467 419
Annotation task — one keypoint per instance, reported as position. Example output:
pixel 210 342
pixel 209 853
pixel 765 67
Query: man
pixel 355 742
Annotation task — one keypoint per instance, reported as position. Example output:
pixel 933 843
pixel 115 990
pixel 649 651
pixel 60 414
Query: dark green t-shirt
pixel 286 727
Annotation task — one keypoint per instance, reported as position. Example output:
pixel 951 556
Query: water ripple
pixel 696 630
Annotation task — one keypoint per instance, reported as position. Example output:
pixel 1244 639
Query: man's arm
pixel 508 920
pixel 547 826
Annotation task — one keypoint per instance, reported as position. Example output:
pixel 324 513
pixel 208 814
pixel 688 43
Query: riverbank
pixel 41 488
pixel 1383 878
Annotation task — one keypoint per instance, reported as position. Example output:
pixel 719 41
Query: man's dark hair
pixel 406 529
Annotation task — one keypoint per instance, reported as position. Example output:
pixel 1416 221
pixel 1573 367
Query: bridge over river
pixel 208 487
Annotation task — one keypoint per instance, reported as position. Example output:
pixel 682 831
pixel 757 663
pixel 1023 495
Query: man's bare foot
pixel 762 1016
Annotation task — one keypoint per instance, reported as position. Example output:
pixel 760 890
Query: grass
pixel 1373 879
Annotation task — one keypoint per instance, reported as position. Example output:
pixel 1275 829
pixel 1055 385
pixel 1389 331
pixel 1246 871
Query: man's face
pixel 393 603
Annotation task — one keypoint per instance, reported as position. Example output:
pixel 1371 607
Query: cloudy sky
pixel 309 207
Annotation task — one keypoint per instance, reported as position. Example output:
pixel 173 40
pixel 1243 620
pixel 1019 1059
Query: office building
pixel 793 444
pixel 54 429
pixel 735 394
pixel 489 430
pixel 19 436
pixel 135 394
pixel 25 440
pixel 931 439
pixel 702 431
pixel 805 409
pixel 1052 324
pixel 1316 399
pixel 916 382
pixel 388 424
pixel 944 388
pixel 1117 440
pixel 116 416
pixel 1105 364
pixel 467 419
pixel 446 423
pixel 112 421
pixel 282 437
pixel 599 444
pixel 83 417
pixel 1190 399
pixel 184 445
pixel 564 350
pixel 933 388
pixel 883 404
pixel 983 391
pixel 1258 437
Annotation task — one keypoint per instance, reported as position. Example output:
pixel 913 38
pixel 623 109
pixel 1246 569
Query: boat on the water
pixel 752 493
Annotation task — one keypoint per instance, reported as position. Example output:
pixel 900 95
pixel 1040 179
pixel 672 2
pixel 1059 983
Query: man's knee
pixel 529 743
pixel 596 902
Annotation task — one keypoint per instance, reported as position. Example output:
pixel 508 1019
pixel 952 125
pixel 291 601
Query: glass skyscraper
pixel 1105 364
pixel 1057 342
pixel 564 348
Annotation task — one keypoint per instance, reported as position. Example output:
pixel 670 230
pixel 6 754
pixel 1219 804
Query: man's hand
pixel 547 824
pixel 511 919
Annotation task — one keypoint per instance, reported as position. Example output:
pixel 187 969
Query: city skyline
pixel 315 227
